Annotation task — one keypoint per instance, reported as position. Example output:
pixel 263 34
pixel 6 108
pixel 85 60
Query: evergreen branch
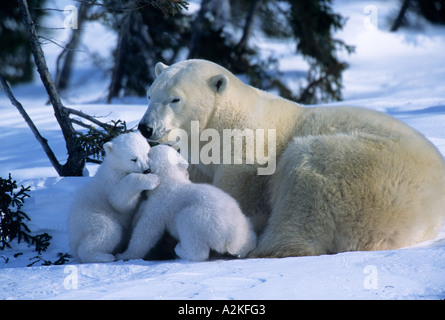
pixel 168 7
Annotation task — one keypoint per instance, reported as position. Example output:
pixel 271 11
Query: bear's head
pixel 165 161
pixel 128 153
pixel 184 92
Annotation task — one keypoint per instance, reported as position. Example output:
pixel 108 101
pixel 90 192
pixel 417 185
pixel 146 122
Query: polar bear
pixel 346 178
pixel 103 209
pixel 200 216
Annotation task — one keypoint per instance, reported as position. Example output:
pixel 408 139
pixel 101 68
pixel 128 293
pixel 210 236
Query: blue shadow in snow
pixel 433 109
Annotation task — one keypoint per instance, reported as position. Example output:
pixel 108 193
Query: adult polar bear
pixel 346 178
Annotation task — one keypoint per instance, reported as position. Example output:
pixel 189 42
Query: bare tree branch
pixel 84 125
pixel 52 41
pixel 77 144
pixel 43 142
pixel 63 74
pixel 168 7
pixel 88 117
pixel 76 156
pixel 398 22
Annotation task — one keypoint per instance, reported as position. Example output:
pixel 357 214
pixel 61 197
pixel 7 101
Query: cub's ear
pixel 183 163
pixel 219 83
pixel 159 68
pixel 108 147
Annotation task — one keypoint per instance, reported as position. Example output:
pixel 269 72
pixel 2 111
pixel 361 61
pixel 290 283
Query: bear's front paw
pixel 103 258
pixel 151 181
pixel 126 256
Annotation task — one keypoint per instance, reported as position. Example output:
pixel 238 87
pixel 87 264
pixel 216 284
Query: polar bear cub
pixel 100 218
pixel 200 216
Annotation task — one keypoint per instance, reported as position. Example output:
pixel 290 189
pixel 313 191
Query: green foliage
pixel 62 258
pixel 150 31
pixel 92 142
pixel 433 10
pixel 15 54
pixel 13 219
pixel 145 37
pixel 219 45
pixel 313 23
pixel 13 224
pixel 168 7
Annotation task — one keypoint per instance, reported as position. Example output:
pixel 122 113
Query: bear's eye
pixel 134 159
pixel 175 100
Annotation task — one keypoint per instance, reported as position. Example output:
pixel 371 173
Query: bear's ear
pixel 159 68
pixel 108 147
pixel 219 83
pixel 183 163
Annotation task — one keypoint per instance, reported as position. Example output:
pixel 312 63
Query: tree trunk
pixel 121 51
pixel 197 29
pixel 399 19
pixel 76 157
pixel 248 27
pixel 64 73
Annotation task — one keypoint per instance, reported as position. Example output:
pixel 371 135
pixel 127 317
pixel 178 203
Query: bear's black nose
pixel 147 171
pixel 145 130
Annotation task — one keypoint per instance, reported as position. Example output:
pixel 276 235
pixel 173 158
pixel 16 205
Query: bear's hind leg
pixel 100 242
pixel 192 250
pixel 193 245
pixel 87 256
pixel 274 244
pixel 349 192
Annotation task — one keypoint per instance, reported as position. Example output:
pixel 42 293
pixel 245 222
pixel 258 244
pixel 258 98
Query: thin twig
pixel 87 126
pixel 52 41
pixel 49 28
pixel 48 9
pixel 88 117
pixel 112 8
pixel 93 160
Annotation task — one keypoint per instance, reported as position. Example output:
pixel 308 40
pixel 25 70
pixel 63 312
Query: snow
pixel 402 74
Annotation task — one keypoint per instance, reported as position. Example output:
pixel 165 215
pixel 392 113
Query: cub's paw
pixel 151 181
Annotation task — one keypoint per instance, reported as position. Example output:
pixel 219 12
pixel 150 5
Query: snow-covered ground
pixel 402 74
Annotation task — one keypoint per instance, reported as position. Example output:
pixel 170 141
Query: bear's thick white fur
pixel 200 216
pixel 102 212
pixel 346 178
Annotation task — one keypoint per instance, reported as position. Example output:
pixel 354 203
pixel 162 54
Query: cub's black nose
pixel 147 171
pixel 145 130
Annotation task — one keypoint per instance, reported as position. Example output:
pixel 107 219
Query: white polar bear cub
pixel 100 218
pixel 200 216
